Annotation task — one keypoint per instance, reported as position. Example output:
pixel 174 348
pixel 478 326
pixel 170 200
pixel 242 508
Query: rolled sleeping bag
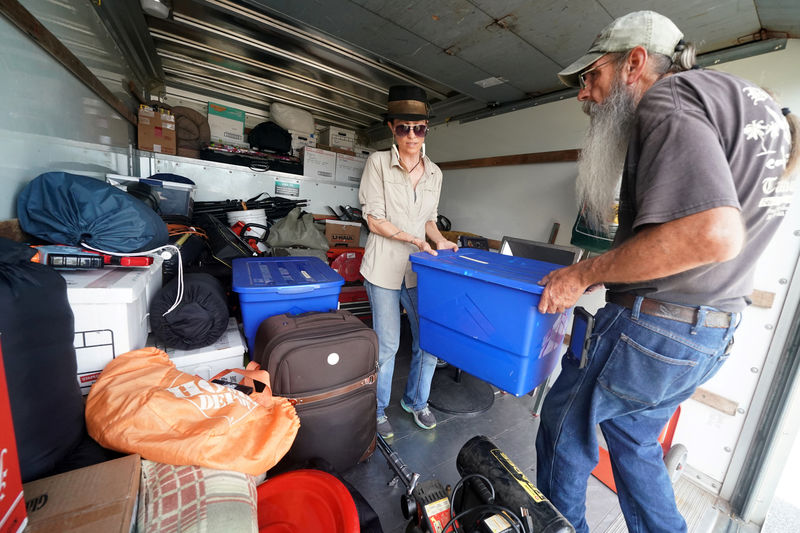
pixel 199 320
pixel 192 129
pixel 40 364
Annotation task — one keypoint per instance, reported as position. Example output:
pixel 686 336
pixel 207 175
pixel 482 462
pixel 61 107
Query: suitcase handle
pixel 332 315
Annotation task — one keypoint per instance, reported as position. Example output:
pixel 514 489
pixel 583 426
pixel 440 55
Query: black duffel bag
pixel 270 136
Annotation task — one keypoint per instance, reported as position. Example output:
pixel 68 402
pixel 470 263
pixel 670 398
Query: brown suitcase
pixel 326 364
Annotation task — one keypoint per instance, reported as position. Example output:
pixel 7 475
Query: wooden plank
pixel 558 156
pixel 716 401
pixel 554 233
pixel 762 298
pixel 26 22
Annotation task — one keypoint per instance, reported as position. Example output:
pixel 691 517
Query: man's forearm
pixel 656 251
pixel 662 250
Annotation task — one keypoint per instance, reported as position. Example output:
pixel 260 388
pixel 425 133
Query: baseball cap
pixel 655 32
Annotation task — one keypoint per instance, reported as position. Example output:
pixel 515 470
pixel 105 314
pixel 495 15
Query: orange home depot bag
pixel 142 404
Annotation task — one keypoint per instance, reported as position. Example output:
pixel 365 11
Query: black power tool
pixel 492 496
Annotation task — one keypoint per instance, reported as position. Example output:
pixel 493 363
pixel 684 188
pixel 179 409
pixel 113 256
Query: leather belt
pixel 680 313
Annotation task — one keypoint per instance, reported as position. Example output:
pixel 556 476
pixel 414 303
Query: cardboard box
pixel 98 498
pixel 349 169
pixel 363 151
pixel 319 164
pixel 12 503
pixel 300 140
pixel 207 362
pixel 110 306
pixel 156 131
pixel 339 137
pixel 226 124
pixel 342 233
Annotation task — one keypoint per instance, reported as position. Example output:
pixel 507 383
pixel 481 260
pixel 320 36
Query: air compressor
pixel 492 496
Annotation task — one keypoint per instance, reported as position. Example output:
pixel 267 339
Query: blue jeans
pixel 385 305
pixel 640 368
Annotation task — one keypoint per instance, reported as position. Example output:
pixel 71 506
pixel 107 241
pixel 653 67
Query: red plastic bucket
pixel 303 501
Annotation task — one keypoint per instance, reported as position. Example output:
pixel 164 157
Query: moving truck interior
pixel 506 133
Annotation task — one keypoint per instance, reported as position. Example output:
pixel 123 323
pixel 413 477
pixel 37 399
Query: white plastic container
pixel 227 352
pixel 110 306
pixel 174 198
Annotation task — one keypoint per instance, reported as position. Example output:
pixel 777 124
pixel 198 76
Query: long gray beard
pixel 603 154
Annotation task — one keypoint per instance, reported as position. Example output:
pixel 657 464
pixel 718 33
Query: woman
pixel 399 197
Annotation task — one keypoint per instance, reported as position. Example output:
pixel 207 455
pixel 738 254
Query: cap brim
pixel 569 76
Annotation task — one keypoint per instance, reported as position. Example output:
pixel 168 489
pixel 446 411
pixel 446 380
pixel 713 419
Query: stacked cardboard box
pixel 156 131
pixel 318 163
pixel 338 137
pixel 226 124
pixel 101 497
pixel 349 169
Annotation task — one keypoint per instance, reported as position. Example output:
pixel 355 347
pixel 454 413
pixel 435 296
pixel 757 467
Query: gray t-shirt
pixel 705 139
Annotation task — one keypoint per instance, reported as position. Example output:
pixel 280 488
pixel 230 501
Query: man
pixel 705 159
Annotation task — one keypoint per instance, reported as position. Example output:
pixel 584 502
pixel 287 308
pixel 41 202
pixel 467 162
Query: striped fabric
pixel 192 499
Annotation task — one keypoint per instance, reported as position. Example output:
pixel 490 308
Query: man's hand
pixel 562 289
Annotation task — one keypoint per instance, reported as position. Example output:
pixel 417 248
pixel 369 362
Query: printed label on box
pixel 341 232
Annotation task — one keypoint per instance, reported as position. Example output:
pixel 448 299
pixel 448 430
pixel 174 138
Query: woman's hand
pixel 444 244
pixel 423 246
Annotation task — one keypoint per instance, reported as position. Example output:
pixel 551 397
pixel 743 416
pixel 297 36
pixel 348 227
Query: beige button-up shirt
pixel 386 193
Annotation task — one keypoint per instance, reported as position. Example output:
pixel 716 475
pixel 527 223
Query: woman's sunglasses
pixel 401 130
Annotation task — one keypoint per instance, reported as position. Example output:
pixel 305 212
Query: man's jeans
pixel 640 369
pixel 385 305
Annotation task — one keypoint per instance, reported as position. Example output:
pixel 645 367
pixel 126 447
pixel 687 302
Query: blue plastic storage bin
pixel 270 286
pixel 479 311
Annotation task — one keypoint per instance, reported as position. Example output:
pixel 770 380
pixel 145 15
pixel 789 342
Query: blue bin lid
pixel 268 274
pixel 515 272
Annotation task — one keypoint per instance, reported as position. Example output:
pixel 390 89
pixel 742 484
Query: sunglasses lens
pixel 401 130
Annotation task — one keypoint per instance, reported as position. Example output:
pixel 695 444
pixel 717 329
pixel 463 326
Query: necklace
pixel 415 166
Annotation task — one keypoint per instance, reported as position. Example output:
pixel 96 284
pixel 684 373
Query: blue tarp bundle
pixel 65 208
